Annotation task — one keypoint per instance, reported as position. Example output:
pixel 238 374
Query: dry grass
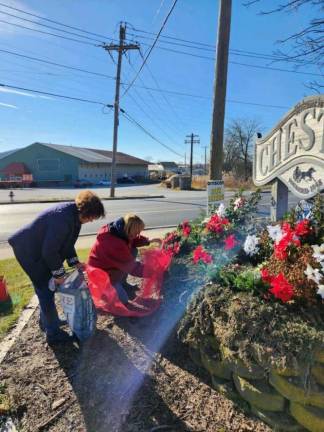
pixel 200 182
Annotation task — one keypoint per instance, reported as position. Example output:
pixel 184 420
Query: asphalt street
pixel 156 212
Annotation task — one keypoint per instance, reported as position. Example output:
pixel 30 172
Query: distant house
pixel 163 169
pixel 54 164
pixel 15 171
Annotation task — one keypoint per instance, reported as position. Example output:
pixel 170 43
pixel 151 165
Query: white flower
pixel 238 203
pixel 221 210
pixel 275 232
pixel 250 245
pixel 313 274
pixel 205 221
pixel 320 291
pixel 318 252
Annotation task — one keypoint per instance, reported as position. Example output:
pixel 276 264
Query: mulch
pixel 132 376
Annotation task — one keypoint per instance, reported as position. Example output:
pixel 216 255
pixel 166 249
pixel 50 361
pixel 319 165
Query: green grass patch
pixel 20 290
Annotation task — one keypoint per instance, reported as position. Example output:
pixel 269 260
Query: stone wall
pixel 287 399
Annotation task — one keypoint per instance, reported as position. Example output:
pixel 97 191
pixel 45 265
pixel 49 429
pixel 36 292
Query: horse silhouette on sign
pixel 299 175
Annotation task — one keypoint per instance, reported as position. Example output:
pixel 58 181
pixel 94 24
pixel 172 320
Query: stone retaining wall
pixel 287 399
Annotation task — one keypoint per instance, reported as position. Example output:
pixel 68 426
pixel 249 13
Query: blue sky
pixel 26 118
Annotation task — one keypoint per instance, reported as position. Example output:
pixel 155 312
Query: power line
pixel 237 63
pixel 48 33
pixel 270 56
pixel 155 118
pixel 132 120
pixel 55 22
pixel 50 27
pixel 55 95
pixel 177 93
pixel 56 64
pixel 159 88
pixel 152 47
pixel 232 51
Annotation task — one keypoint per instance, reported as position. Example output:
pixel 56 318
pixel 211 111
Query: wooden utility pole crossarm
pixel 121 48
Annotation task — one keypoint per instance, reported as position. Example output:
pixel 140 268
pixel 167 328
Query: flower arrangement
pixel 282 262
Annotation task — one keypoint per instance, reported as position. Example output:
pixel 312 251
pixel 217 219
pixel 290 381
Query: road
pixel 156 212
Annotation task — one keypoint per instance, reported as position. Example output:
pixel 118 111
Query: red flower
pixel 186 228
pixel 280 249
pixel 302 228
pixel 289 238
pixel 265 275
pixel 230 242
pixel 216 224
pixel 199 254
pixel 281 288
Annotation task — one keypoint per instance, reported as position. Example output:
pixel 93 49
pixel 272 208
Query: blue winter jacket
pixel 50 238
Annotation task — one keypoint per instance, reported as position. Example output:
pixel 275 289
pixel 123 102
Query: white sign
pixel 215 194
pixel 294 150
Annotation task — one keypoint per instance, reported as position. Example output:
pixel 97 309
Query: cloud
pixel 8 29
pixel 22 93
pixel 8 105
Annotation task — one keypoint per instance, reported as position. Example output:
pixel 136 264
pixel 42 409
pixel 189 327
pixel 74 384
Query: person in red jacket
pixel 115 252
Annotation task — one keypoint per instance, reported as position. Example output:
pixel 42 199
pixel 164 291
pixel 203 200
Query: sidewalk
pixel 85 242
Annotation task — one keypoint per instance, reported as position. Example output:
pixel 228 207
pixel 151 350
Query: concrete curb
pixel 71 200
pixel 10 339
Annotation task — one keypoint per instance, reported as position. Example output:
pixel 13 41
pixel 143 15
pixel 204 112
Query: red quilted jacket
pixel 112 252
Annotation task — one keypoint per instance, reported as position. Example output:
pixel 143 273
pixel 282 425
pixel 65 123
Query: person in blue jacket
pixel 42 246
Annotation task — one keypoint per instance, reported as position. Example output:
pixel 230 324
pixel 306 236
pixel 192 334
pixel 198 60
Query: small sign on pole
pixel 215 194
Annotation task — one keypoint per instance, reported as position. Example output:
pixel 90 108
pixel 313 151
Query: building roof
pixel 7 153
pixel 168 164
pixel 15 168
pixel 155 167
pixel 96 155
pixel 122 158
pixel 88 155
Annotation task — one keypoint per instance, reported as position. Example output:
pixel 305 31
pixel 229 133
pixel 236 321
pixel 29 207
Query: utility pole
pixel 216 185
pixel 121 48
pixel 205 147
pixel 192 141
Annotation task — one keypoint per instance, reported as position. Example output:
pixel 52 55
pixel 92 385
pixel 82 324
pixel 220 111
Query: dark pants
pixel 40 275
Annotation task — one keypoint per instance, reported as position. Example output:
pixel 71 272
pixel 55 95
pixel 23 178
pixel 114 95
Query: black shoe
pixel 61 323
pixel 58 337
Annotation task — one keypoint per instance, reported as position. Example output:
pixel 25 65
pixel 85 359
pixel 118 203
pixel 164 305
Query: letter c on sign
pixel 262 170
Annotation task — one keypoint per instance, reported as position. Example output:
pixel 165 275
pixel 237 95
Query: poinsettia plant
pixel 291 258
pixel 281 262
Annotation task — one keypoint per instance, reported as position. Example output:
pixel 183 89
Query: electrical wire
pixel 56 64
pixel 237 63
pixel 132 120
pixel 55 95
pixel 48 33
pixel 55 22
pixel 152 47
pixel 50 27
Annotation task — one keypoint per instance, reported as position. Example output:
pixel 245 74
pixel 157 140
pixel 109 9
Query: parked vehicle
pixel 81 183
pixel 104 183
pixel 126 179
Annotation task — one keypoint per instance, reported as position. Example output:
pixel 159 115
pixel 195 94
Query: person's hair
pixel 133 224
pixel 89 205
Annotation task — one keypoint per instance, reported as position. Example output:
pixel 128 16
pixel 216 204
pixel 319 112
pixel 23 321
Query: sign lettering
pixel 293 151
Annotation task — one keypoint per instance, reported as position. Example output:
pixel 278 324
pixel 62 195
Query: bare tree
pixel 306 46
pixel 239 139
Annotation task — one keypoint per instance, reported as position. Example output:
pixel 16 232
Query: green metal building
pixel 54 164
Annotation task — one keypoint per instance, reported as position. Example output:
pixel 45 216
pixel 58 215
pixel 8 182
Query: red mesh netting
pixel 105 297
pixel 4 295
